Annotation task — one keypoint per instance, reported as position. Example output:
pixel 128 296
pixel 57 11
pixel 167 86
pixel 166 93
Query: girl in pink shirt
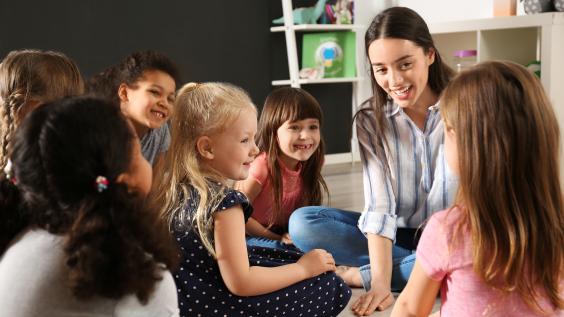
pixel 286 174
pixel 498 250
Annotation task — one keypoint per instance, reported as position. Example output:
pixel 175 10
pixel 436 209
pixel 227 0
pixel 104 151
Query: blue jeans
pixel 335 230
pixel 267 243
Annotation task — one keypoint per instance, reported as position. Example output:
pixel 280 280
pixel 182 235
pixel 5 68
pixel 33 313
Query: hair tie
pixel 8 171
pixel 101 183
pixel 192 86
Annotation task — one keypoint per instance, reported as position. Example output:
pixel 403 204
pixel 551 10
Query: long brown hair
pixel 28 76
pixel 400 23
pixel 200 109
pixel 508 151
pixel 290 104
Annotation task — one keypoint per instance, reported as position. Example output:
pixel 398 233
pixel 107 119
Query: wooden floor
pixel 345 186
pixel 346 192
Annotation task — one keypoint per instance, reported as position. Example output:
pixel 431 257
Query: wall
pixel 212 40
pixel 454 10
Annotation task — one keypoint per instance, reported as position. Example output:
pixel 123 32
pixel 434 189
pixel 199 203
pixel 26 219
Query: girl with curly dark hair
pixel 143 85
pixel 89 244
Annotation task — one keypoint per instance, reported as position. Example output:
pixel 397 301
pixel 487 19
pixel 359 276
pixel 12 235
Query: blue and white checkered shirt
pixel 419 182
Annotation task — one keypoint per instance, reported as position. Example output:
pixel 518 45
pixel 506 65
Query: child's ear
pixel 126 179
pixel 204 145
pixel 122 92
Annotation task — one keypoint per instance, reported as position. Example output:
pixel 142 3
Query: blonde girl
pixel 213 133
pixel 286 174
pixel 501 243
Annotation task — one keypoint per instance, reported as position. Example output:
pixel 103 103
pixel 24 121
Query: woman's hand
pixel 286 239
pixel 378 298
pixel 316 261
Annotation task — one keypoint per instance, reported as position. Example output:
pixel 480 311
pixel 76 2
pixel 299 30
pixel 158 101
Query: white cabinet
pixel 521 39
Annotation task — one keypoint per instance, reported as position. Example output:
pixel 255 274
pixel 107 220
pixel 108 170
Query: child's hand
pixel 317 261
pixel 286 239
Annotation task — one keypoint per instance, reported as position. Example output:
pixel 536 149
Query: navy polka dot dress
pixel 201 291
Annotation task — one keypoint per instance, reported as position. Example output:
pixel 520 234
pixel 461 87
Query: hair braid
pixel 8 124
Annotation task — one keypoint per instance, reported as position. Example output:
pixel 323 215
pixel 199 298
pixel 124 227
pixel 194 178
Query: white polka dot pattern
pixel 201 291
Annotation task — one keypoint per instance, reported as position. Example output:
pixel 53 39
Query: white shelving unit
pixel 521 39
pixel 290 30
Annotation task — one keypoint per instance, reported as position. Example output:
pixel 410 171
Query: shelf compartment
pixel 448 43
pixel 286 82
pixel 520 45
pixel 318 27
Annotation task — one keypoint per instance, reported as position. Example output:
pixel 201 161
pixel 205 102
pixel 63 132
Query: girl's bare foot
pixel 349 274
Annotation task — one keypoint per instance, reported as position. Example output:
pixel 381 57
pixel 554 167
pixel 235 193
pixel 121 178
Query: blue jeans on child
pixel 335 230
pixel 267 243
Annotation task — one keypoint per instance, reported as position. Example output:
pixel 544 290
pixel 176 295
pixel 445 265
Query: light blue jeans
pixel 335 230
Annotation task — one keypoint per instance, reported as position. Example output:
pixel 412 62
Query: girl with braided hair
pixel 29 78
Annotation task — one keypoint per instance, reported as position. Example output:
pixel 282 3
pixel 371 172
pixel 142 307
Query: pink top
pixel 264 203
pixel 462 291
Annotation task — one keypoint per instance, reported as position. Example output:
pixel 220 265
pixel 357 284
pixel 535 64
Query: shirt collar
pixel 393 109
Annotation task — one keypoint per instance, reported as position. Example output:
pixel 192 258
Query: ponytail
pixel 115 245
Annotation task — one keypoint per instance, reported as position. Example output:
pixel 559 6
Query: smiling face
pixel 298 140
pixel 401 69
pixel 148 103
pixel 231 151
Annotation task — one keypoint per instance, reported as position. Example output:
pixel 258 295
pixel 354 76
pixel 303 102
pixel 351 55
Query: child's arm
pixel 252 188
pixel 256 229
pixel 418 297
pixel 245 280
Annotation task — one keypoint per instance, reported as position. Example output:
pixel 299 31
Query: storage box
pixel 333 53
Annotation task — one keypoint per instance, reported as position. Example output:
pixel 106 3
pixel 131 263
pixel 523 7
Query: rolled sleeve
pixel 379 223
pixel 379 216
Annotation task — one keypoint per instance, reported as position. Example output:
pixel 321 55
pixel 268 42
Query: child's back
pixel 84 242
pixel 33 282
pixel 463 292
pixel 498 250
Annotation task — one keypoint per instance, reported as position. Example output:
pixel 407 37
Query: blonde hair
pixel 200 109
pixel 508 151
pixel 28 76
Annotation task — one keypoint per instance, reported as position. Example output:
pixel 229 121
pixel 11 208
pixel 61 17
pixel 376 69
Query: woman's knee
pixel 300 218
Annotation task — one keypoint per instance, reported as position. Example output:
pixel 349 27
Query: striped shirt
pixel 419 183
